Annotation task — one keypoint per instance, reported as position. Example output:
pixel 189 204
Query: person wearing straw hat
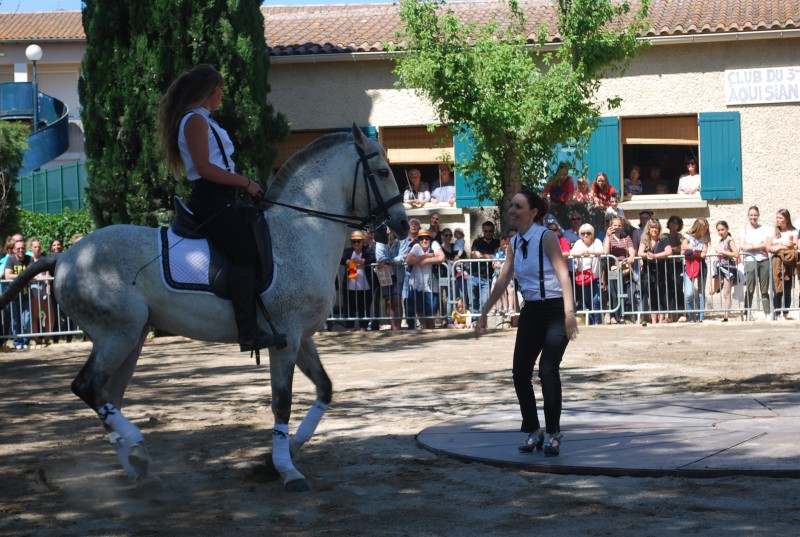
pixel 423 300
pixel 359 291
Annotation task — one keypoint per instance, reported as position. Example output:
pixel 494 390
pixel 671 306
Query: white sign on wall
pixel 761 86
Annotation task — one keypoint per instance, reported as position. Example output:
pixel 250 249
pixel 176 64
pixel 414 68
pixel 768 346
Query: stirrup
pixel 262 341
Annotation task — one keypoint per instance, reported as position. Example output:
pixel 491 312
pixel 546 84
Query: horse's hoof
pixel 294 481
pixel 139 460
pixel 149 483
pixel 298 485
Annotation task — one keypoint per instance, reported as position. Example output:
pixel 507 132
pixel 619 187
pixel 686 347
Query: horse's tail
pixel 46 263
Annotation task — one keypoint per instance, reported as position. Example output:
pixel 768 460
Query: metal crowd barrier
pixel 34 315
pixel 617 293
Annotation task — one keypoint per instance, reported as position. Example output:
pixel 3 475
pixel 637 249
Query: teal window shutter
pixel 369 131
pixel 463 149
pixel 720 155
pixel 603 153
pixel 563 153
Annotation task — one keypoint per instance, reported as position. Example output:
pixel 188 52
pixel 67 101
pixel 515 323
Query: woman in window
pixel 602 191
pixel 690 183
pixel 582 194
pixel 633 184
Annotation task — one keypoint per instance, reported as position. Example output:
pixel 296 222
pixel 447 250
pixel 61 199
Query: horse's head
pixel 375 192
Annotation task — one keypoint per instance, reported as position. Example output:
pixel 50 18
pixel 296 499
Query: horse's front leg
pixel 309 363
pixel 281 363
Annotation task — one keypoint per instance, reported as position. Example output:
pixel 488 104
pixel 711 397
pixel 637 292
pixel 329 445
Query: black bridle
pixel 377 217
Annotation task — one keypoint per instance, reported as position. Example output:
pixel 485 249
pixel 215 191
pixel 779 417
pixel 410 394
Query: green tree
pixel 13 142
pixel 47 227
pixel 517 102
pixel 134 50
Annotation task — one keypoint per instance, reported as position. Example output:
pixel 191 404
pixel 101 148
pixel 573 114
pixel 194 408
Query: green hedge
pixel 46 227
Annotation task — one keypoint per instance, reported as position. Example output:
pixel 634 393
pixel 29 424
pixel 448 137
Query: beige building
pixel 719 84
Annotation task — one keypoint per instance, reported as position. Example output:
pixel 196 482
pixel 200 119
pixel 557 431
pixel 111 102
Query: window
pixel 712 138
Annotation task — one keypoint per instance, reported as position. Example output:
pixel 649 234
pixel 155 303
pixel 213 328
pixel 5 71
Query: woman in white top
pixel 753 242
pixel 586 254
pixel 547 320
pixel 195 144
pixel 783 247
pixel 690 183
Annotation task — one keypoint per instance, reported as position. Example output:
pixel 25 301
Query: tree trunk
pixel 512 183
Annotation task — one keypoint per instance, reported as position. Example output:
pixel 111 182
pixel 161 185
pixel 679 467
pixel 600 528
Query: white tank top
pixel 214 154
pixel 529 270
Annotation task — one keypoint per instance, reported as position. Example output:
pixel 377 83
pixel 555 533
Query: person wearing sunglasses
pixel 689 184
pixel 546 323
pixel 423 300
pixel 359 291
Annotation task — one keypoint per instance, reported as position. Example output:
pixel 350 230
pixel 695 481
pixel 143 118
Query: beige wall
pixel 335 94
pixel 664 79
pixel 688 79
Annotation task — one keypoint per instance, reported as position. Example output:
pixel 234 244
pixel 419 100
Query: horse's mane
pixel 289 168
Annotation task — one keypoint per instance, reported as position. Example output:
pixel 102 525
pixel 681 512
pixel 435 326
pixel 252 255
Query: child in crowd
pixel 458 246
pixel 613 206
pixel 460 318
pixel 725 274
pixel 506 299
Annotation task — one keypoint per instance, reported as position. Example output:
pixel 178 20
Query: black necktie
pixel 524 247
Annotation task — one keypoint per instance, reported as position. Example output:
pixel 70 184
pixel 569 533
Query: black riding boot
pixel 243 297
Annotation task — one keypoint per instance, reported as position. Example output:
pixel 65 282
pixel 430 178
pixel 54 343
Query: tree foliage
pixel 47 227
pixel 134 50
pixel 516 99
pixel 13 143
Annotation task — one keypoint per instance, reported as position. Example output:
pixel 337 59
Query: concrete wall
pixel 688 79
pixel 334 94
pixel 664 79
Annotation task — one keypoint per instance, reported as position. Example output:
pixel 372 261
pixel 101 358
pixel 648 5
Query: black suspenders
pixel 541 260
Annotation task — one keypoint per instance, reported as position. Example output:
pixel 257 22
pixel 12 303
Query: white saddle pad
pixel 184 263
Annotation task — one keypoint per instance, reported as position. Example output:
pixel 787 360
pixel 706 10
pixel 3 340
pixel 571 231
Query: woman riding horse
pixel 196 144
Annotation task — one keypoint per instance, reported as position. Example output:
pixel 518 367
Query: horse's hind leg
pixel 309 363
pixel 101 384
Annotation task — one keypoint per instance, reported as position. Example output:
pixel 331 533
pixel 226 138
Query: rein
pixel 376 218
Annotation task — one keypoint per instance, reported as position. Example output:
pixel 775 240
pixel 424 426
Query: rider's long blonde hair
pixel 188 91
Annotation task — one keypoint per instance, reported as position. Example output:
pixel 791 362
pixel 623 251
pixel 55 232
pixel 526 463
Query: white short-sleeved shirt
pixel 422 276
pixel 527 270
pixel 755 237
pixel 214 154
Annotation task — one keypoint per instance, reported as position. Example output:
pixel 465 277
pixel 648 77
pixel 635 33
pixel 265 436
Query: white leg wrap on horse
pixel 113 417
pixel 310 422
pixel 281 458
pixel 123 451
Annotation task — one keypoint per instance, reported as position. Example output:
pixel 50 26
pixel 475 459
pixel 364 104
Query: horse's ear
pixel 358 136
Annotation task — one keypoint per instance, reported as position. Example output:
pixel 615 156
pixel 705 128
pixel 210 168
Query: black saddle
pixel 186 225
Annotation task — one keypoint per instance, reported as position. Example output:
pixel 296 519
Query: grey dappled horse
pixel 108 284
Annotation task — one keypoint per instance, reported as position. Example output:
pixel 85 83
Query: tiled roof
pixel 330 29
pixel 42 26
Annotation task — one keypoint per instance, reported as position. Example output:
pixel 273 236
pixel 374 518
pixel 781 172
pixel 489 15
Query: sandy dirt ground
pixel 205 412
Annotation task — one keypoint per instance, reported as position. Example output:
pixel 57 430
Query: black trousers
pixel 215 206
pixel 541 331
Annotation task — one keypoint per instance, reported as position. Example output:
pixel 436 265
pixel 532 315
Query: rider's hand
pixel 254 189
